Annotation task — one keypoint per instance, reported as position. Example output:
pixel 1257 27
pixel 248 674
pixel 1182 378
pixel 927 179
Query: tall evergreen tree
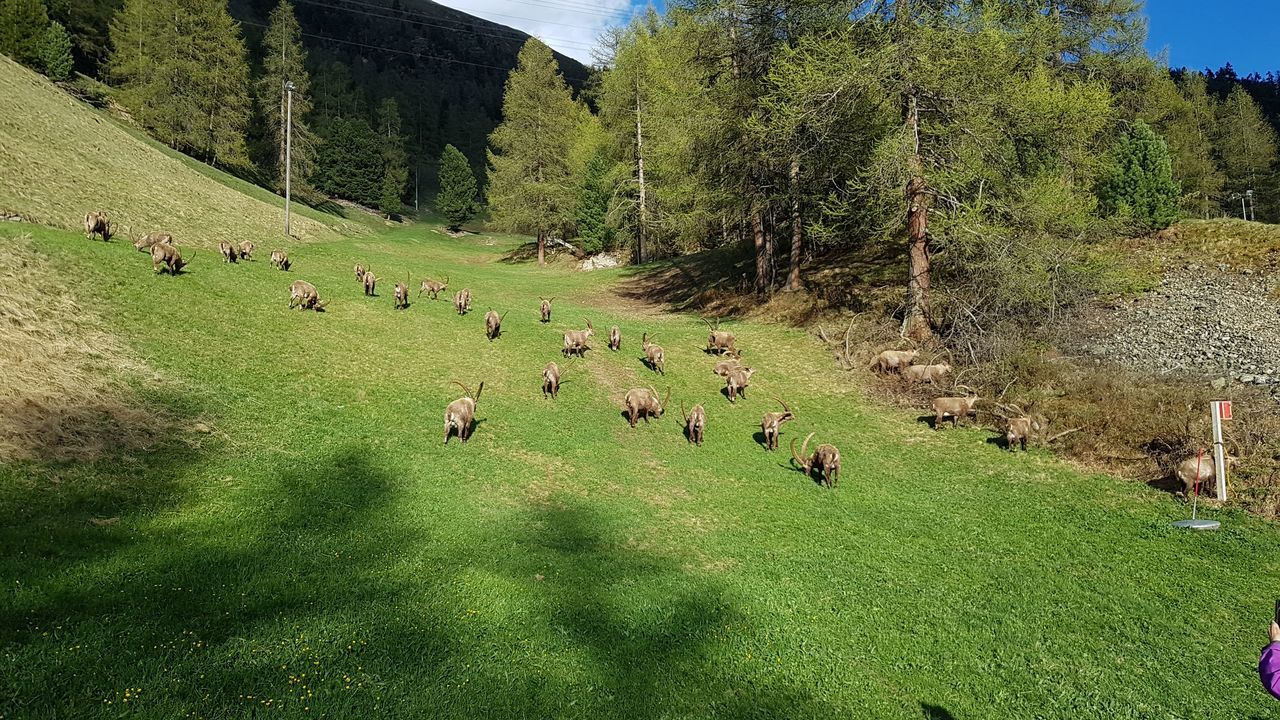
pixel 592 207
pixel 1139 185
pixel 285 60
pixel 395 163
pixel 349 164
pixel 530 178
pixel 55 52
pixel 456 199
pixel 22 27
pixel 1246 145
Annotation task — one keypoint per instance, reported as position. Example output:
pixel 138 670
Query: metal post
pixel 1243 213
pixel 1253 212
pixel 288 152
pixel 1219 456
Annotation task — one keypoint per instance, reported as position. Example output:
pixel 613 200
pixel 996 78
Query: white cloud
pixel 572 27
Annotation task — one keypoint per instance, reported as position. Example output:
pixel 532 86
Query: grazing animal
pixel 1197 470
pixel 96 223
pixel 653 355
pixel 615 338
pixel 229 252
pixel 166 258
pixel 401 294
pixel 724 367
pixel 246 250
pixel 575 341
pixel 462 301
pixel 493 324
pixel 825 459
pixel 359 272
pixel 370 282
pixel 894 360
pixel 433 288
pixel 643 403
pixel 1019 429
pixel 695 423
pixel 305 296
pixel 720 342
pixel 736 382
pixel 551 380
pixel 144 243
pixel 280 260
pixel 926 373
pixel 771 424
pixel 461 413
pixel 545 309
pixel 954 408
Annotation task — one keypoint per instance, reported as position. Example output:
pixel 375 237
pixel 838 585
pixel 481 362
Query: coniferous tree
pixel 395 163
pixel 530 177
pixel 592 208
pixel 23 24
pixel 349 164
pixel 456 199
pixel 284 60
pixel 1246 145
pixel 1139 184
pixel 55 52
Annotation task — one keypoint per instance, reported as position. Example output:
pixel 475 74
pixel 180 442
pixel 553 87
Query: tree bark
pixel 762 266
pixel 797 236
pixel 916 323
pixel 644 210
pixel 542 248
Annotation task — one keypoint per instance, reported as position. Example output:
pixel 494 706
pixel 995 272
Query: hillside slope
pixel 60 159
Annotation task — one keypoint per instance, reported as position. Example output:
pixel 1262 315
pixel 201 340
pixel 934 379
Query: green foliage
pixel 23 25
pixel 284 59
pixel 184 73
pixel 1246 145
pixel 395 163
pixel 349 164
pixel 456 199
pixel 595 193
pixel 530 176
pixel 55 52
pixel 1138 185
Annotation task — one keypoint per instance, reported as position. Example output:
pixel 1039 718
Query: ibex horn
pixel 804 447
pixel 478 391
pixel 465 389
pixel 784 403
pixel 683 414
pixel 666 399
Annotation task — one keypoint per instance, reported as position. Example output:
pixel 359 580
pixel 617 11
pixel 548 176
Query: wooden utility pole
pixel 757 234
pixel 644 209
pixel 797 237
pixel 915 322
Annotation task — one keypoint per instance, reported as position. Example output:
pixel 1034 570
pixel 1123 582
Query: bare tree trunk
pixel 644 209
pixel 916 322
pixel 542 248
pixel 762 260
pixel 797 237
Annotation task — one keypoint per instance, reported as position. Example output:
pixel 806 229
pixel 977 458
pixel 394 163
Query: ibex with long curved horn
pixel 771 424
pixel 719 341
pixel 433 288
pixel 493 324
pixel 166 258
pixel 461 414
pixel 654 357
pixel 575 341
pixel 695 423
pixel 825 459
pixel 643 403
pixel 96 223
pixel 545 309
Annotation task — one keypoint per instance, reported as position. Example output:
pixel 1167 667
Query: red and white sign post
pixel 1221 411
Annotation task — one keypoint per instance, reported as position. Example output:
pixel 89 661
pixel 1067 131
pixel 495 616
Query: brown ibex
pixel 771 424
pixel 894 360
pixel 926 373
pixel 461 414
pixel 575 341
pixel 643 403
pixel 1197 470
pixel 825 459
pixel 246 250
pixel 229 252
pixel 493 324
pixel 359 272
pixel 615 338
pixel 401 293
pixel 545 309
pixel 166 258
pixel 280 260
pixel 144 243
pixel 551 380
pixel 304 296
pixel 654 357
pixel 1018 430
pixel 695 423
pixel 96 223
pixel 954 408
pixel 736 382
pixel 433 288
pixel 370 282
pixel 719 341
pixel 462 301
pixel 724 367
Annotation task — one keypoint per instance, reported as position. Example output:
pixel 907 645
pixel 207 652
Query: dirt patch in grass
pixel 66 388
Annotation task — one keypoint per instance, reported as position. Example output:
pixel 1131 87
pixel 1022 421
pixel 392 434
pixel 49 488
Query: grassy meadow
pixel 301 543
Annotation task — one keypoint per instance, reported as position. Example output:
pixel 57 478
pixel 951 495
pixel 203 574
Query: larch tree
pixel 285 60
pixel 1246 146
pixel 531 188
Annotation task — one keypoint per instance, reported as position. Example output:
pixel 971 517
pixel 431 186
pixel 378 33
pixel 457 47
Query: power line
pixel 574 7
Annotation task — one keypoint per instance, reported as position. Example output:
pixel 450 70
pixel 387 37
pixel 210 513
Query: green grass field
pixel 320 553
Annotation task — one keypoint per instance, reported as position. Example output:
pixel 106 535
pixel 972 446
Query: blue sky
pixel 1196 33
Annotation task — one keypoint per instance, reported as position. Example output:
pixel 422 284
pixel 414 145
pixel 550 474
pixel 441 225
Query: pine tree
pixel 284 59
pixel 1139 184
pixel 349 163
pixel 592 207
pixel 456 199
pixel 55 52
pixel 530 178
pixel 22 28
pixel 395 163
pixel 1246 145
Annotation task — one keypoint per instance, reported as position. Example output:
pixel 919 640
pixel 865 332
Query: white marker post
pixel 1221 411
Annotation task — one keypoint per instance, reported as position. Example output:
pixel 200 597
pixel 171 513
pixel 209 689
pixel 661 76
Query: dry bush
pixel 64 381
